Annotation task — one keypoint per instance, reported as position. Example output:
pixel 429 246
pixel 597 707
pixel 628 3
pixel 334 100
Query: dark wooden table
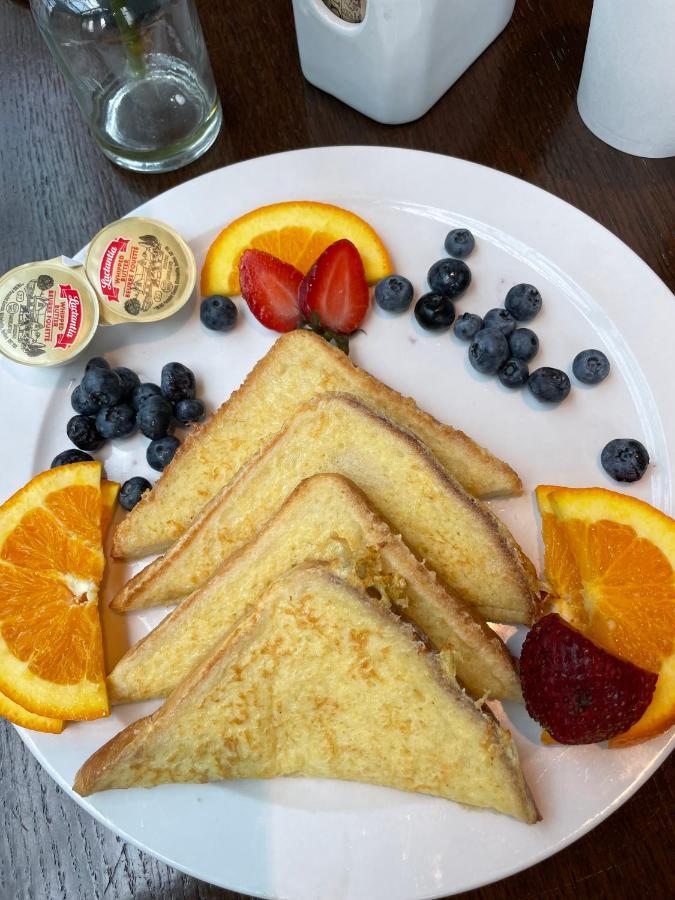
pixel 513 110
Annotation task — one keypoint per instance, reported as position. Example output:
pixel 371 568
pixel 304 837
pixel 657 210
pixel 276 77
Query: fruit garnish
pixel 501 319
pixel 513 373
pixel 335 288
pixel 270 288
pixel 590 366
pixel 488 351
pixel 625 459
pixel 578 692
pixel 296 232
pixel 467 326
pixel 523 301
pixel 13 711
pixel 434 311
pixel 459 243
pixel 523 344
pixel 218 313
pixel 16 714
pixel 109 493
pixel 549 385
pixel 393 293
pixel 609 562
pixel 450 277
pixel 51 563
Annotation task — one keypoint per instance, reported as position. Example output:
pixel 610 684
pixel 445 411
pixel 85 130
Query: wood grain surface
pixel 513 110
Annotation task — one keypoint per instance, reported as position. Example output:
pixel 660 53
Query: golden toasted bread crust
pixel 128 750
pixel 479 471
pixel 512 561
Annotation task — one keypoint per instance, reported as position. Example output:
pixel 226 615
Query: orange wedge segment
pixel 51 563
pixel 8 708
pixel 20 716
pixel 109 493
pixel 609 560
pixel 296 232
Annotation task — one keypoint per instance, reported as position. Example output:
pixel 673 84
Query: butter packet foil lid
pixel 142 271
pixel 48 313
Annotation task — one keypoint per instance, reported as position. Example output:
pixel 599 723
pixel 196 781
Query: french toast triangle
pixel 318 680
pixel 455 534
pixel 299 366
pixel 325 519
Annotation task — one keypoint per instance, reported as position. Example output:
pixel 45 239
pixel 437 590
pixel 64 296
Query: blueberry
pixel 523 344
pixel 130 381
pixel 132 490
pixel 394 293
pixel 161 451
pixel 143 392
pixel 81 430
pixel 489 351
pixel 154 417
pixel 514 373
pixel 459 243
pixel 82 403
pixel 97 362
pixel 500 319
pixel 549 385
pixel 218 313
pixel 116 421
pixel 591 366
pixel 625 459
pixel 70 456
pixel 450 277
pixel 523 301
pixel 177 382
pixel 434 311
pixel 467 326
pixel 103 386
pixel 186 411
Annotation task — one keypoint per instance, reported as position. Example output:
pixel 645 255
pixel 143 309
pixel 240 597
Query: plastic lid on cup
pixel 48 313
pixel 141 269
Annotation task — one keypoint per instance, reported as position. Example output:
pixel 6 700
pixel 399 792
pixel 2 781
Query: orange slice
pixel 610 565
pixel 20 716
pixel 13 711
pixel 109 493
pixel 296 232
pixel 51 563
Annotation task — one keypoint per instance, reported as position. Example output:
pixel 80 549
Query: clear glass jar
pixel 141 76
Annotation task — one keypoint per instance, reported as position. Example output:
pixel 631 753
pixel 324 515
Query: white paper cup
pixel 627 90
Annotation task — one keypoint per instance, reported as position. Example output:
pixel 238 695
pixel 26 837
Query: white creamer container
pixel 627 89
pixel 402 57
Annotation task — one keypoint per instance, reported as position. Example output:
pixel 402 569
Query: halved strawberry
pixel 335 288
pixel 578 692
pixel 270 287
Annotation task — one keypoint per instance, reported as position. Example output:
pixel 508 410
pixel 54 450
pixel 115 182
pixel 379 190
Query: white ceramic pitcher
pixel 405 54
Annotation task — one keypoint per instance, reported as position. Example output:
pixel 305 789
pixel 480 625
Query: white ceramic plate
pixel 305 838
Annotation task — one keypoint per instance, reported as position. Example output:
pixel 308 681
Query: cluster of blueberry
pixel 498 345
pixel 112 403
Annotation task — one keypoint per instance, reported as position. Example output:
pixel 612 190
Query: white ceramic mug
pixel 627 89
